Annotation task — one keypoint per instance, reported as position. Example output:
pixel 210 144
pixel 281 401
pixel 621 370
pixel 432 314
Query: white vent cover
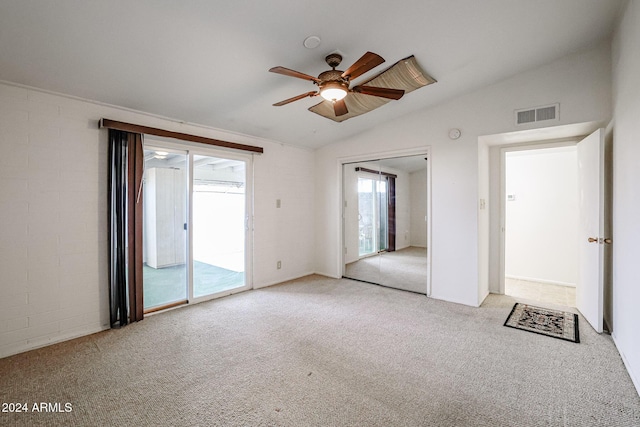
pixel 538 114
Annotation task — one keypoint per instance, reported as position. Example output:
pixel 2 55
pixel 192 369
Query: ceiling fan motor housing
pixel 332 76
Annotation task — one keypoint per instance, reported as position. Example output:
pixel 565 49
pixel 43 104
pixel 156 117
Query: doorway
pixel 196 222
pixel 541 224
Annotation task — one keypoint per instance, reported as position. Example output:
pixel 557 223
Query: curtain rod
pixel 129 127
pixel 358 169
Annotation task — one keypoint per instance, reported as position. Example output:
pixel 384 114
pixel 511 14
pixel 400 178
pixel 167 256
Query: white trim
pixel 279 281
pixel 35 343
pixel 534 279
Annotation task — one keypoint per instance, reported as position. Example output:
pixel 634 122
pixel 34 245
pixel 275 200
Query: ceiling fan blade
pixel 340 108
pixel 295 98
pixel 367 62
pixel 382 92
pixel 293 73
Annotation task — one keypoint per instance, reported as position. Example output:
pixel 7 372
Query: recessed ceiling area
pixel 207 62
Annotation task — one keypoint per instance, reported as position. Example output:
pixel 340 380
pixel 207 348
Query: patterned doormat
pixel 553 323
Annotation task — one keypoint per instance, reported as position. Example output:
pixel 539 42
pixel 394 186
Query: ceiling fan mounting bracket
pixel 333 59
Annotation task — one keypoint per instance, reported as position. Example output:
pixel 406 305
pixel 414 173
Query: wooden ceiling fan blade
pixel 382 92
pixel 367 62
pixel 295 98
pixel 340 108
pixel 292 73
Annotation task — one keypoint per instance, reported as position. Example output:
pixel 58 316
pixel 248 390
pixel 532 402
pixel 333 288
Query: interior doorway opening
pixel 541 216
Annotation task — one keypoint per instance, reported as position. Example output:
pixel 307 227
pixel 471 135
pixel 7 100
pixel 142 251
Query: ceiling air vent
pixel 538 114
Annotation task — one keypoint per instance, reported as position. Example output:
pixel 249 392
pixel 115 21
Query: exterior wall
pixel 54 214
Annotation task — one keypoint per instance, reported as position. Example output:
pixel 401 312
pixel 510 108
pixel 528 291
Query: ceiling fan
pixel 333 84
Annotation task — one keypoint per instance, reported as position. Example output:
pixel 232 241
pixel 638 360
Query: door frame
pixel 191 149
pixel 340 161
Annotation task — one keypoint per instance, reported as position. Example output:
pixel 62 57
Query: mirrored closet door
pixel 385 222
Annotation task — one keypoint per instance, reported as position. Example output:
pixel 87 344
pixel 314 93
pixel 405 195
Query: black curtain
pixel 391 213
pixel 126 160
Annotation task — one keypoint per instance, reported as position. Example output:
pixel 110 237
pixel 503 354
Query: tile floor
pixel 166 285
pixel 543 292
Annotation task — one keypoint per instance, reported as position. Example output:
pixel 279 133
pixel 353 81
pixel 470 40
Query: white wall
pixel 541 232
pixel 626 203
pixel 287 233
pixel 53 214
pixel 579 82
pixel 418 189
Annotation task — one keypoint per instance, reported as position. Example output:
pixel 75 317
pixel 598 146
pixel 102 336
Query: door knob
pixel 607 241
pixel 593 240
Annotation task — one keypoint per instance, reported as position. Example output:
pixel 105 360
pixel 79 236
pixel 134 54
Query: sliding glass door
pixel 373 215
pixel 219 212
pixel 164 234
pixel 196 217
pixel 367 217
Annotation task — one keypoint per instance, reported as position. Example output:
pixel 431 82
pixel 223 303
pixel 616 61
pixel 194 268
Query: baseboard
pixel 533 279
pixel 468 304
pixel 329 275
pixel 287 279
pixel 635 380
pixel 36 344
pixel 481 299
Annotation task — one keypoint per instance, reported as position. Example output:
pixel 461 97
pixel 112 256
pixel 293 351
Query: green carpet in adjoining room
pixel 166 285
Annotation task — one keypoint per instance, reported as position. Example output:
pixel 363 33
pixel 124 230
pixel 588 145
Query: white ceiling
pixel 207 61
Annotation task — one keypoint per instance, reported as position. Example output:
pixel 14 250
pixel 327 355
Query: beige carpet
pixel 324 352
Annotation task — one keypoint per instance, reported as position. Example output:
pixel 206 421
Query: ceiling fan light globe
pixel 333 93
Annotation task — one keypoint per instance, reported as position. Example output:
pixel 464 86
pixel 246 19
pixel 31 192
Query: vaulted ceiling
pixel 207 62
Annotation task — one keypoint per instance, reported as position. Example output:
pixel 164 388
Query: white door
pixel 590 289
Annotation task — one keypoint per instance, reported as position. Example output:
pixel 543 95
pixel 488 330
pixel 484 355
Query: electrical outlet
pixel 279 265
pixel 278 203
